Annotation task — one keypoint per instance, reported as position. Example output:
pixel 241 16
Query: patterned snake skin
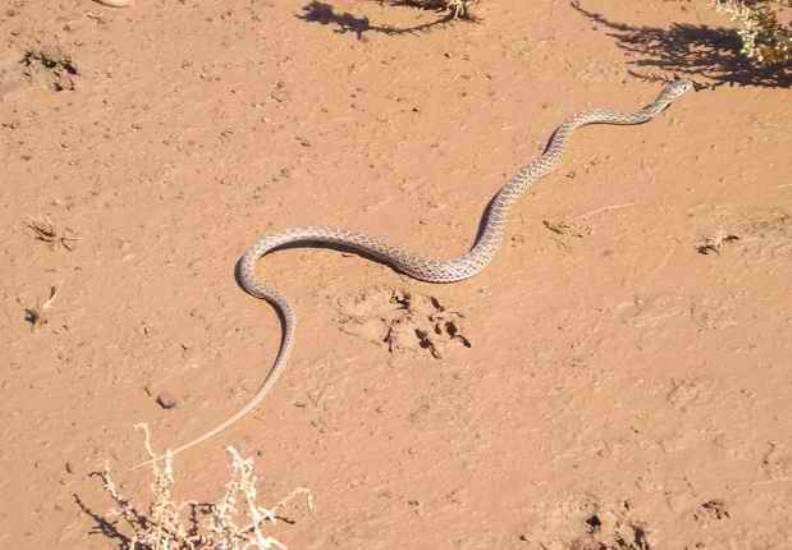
pixel 426 269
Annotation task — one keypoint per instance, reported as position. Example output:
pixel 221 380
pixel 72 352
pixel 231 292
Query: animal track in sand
pixel 401 320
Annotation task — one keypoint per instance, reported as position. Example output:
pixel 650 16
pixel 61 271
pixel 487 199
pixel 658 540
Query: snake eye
pixel 679 87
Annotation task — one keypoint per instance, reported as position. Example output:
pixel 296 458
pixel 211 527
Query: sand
pixel 619 377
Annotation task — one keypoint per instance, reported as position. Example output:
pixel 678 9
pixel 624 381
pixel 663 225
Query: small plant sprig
pixel 459 8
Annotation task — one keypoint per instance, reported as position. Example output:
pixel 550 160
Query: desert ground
pixel 619 377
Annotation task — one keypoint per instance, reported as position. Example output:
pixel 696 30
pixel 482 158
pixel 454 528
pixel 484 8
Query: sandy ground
pixel 619 377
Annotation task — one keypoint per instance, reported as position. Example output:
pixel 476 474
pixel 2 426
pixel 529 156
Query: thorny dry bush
pixel 212 526
pixel 764 37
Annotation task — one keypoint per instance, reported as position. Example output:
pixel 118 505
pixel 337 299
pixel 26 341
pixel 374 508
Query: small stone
pixel 166 400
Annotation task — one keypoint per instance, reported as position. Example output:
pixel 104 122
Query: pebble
pixel 166 400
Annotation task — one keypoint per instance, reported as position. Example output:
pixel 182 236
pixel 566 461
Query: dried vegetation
pixel 233 522
pixel 764 36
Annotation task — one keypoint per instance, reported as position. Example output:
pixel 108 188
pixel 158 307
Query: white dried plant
pixel 235 519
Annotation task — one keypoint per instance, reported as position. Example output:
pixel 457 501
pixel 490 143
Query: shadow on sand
pixel 325 14
pixel 710 56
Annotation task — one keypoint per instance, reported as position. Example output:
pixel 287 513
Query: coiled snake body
pixel 426 269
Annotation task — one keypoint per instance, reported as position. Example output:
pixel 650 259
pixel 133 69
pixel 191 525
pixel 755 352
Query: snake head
pixel 676 88
pixel 668 94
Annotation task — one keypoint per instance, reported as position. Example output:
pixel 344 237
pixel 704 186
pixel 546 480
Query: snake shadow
pixel 710 56
pixel 325 14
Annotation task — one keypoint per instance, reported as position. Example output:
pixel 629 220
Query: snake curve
pixel 425 269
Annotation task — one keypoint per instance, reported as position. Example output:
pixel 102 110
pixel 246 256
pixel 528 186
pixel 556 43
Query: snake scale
pixel 430 270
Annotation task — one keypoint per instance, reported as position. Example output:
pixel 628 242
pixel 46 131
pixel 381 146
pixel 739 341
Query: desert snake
pixel 431 270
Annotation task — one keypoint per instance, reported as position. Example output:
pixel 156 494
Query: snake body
pixel 425 269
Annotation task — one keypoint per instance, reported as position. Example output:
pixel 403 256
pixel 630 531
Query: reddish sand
pixel 619 377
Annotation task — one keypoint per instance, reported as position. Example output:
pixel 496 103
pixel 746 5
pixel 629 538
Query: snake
pixel 431 270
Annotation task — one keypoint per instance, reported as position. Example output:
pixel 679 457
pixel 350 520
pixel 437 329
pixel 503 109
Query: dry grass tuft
pixel 213 526
pixel 46 231
pixel 764 37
